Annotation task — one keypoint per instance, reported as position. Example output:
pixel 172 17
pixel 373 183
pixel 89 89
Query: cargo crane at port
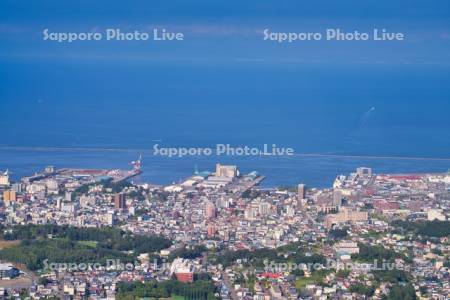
pixel 137 164
pixel 125 175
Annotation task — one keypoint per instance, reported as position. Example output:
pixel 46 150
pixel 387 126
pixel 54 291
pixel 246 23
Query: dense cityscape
pixel 96 234
pixel 225 150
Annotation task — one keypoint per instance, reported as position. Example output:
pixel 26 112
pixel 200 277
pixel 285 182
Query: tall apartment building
pixel 301 191
pixel 119 201
pixel 210 210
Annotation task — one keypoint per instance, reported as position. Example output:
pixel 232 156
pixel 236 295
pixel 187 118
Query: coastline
pixel 315 170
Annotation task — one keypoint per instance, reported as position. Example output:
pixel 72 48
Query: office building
pixel 364 172
pixel 346 215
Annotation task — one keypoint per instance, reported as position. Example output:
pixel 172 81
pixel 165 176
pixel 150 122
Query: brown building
pixel 382 204
pixel 119 201
pixel 9 196
pixel 301 191
pixel 211 230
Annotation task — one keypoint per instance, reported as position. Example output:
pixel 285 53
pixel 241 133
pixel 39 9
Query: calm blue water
pixel 314 109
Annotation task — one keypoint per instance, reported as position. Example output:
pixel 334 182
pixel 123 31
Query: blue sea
pixel 101 115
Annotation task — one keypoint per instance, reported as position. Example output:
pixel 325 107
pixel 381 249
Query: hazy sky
pixel 229 32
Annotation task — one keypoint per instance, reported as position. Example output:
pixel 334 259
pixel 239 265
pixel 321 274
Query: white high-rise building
pixel 264 208
pixel 110 218
pixel 4 178
pixel 226 171
pixel 337 198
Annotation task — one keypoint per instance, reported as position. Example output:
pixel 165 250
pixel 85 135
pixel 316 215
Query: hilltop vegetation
pixel 434 228
pixel 61 244
pixel 198 290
